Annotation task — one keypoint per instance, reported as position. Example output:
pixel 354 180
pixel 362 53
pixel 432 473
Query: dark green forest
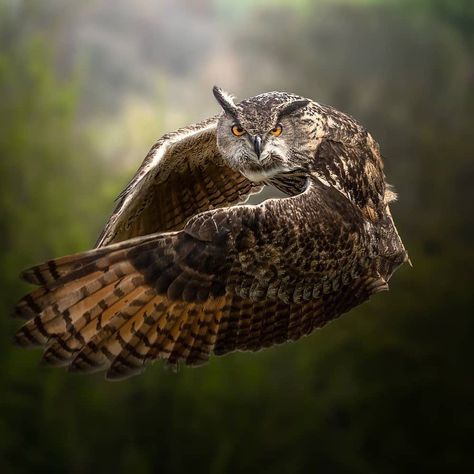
pixel 85 88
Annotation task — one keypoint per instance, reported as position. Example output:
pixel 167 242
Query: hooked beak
pixel 257 145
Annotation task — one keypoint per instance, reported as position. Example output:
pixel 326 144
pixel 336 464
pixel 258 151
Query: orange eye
pixel 237 130
pixel 276 132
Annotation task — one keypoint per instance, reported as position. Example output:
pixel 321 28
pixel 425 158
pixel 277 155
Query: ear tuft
pixel 225 100
pixel 293 107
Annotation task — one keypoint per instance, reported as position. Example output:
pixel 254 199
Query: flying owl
pixel 183 269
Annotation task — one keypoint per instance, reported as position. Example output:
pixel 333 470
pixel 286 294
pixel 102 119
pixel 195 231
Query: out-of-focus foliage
pixel 84 89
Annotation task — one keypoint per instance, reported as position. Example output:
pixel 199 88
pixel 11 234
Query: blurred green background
pixel 85 89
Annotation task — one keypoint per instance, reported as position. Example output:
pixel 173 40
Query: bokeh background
pixel 85 89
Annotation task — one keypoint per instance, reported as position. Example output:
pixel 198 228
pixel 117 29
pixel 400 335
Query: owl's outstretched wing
pixel 240 278
pixel 183 174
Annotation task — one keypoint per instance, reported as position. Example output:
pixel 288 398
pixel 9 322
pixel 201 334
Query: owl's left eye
pixel 276 132
pixel 237 130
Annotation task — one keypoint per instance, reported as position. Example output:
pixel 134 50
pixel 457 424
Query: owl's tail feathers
pixel 95 311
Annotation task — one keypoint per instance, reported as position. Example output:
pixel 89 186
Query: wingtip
pixel 81 364
pixel 30 276
pixel 25 309
pixel 118 376
pixel 52 358
pixel 121 370
pixel 24 339
pixel 18 313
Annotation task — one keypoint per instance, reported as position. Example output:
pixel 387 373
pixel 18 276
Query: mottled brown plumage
pixel 179 274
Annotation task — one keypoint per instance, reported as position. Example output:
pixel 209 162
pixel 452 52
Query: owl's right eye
pixel 237 130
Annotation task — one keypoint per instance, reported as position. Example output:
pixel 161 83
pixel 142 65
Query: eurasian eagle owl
pixel 183 270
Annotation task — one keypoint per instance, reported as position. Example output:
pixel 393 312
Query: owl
pixel 183 269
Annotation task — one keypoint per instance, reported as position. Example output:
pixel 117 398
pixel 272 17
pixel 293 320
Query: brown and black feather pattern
pixel 183 174
pixel 179 275
pixel 241 278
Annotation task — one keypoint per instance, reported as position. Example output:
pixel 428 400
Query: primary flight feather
pixel 183 270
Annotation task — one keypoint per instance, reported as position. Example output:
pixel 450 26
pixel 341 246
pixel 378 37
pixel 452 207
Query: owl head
pixel 261 136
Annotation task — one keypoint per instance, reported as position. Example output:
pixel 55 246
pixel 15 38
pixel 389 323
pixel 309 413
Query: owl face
pixel 259 136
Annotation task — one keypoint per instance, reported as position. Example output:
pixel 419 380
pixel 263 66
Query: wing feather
pixel 184 174
pixel 241 278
